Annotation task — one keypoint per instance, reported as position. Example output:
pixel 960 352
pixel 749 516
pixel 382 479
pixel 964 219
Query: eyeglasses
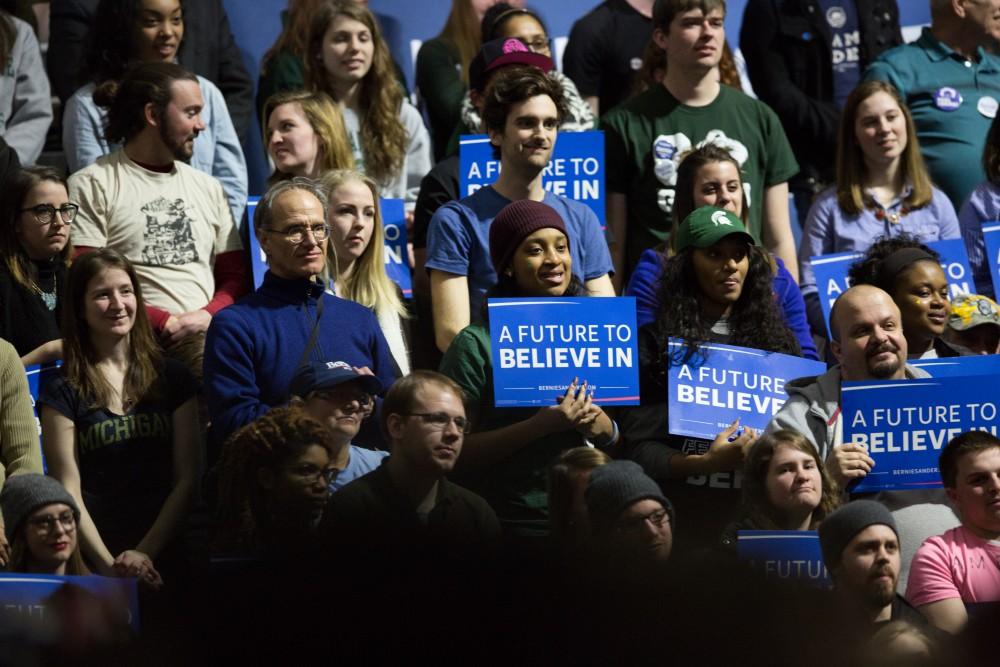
pixel 656 519
pixel 297 233
pixel 46 213
pixel 310 474
pixel 440 420
pixel 538 45
pixel 46 524
pixel 362 399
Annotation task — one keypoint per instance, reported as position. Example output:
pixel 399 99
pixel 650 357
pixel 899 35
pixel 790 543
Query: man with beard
pixel 170 220
pixel 868 343
pixel 860 547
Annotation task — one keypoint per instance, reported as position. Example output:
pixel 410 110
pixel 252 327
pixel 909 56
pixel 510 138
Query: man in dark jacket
pixel 803 58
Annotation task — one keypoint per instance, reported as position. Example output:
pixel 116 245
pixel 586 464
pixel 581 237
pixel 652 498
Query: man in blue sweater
pixel 254 347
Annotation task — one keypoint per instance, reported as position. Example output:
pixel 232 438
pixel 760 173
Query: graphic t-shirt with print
pixel 646 137
pixel 170 226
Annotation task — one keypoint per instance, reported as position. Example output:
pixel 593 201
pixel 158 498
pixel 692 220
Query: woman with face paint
pixel 911 273
pixel 882 189
pixel 130 31
pixel 717 287
pixel 510 449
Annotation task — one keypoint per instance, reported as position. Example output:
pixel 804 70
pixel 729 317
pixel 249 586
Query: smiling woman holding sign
pixel 717 288
pixel 510 450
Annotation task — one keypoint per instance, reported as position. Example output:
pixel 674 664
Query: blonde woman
pixel 357 262
pixel 305 135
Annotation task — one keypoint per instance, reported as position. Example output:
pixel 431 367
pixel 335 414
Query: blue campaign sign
pixel 991 235
pixel 980 364
pixel 540 345
pixel 37 376
pixel 905 423
pixel 397 256
pixel 576 170
pixel 725 382
pixel 832 281
pixel 395 245
pixel 24 597
pixel 784 554
pixel 258 262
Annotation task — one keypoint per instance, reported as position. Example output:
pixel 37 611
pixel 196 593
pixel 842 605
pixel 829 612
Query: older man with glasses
pixel 255 346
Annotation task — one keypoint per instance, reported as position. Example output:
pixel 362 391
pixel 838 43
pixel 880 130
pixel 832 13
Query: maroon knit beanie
pixel 517 221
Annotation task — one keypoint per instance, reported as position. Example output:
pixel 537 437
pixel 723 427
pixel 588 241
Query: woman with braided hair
pixel 273 485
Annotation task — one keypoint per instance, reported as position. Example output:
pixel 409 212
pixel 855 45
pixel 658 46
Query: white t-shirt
pixel 170 226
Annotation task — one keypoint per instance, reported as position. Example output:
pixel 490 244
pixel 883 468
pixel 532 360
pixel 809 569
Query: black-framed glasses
pixel 296 234
pixel 46 213
pixel 46 524
pixel 657 519
pixel 310 474
pixel 363 399
pixel 440 420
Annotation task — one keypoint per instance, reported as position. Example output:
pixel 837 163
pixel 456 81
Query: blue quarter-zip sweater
pixel 253 348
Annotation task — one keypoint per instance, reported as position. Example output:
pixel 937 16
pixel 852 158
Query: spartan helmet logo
pixel 720 218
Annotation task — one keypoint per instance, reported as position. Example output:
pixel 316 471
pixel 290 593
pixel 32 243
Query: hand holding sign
pixel 848 462
pixel 574 410
pixel 728 453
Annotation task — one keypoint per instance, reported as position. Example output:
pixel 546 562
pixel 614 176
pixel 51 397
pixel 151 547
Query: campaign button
pixel 987 106
pixel 947 98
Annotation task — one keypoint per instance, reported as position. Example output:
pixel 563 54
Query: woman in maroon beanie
pixel 506 456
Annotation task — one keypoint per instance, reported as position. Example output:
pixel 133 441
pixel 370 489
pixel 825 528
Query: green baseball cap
pixel 706 226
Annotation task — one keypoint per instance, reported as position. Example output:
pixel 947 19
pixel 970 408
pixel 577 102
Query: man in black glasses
pixel 339 397
pixel 407 502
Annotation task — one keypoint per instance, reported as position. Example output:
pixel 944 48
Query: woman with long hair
pixel 510 449
pixel 357 260
pixel 35 251
pixel 274 478
pixel 882 189
pixel 41 526
pixel 911 274
pixel 350 61
pixel 130 31
pixel 305 135
pixel 120 423
pixel 25 99
pixel 785 486
pixel 442 68
pixel 717 287
pixel 709 175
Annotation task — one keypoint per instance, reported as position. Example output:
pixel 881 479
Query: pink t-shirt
pixel 956 564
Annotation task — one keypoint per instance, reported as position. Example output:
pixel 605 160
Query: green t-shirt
pixel 516 488
pixel 646 137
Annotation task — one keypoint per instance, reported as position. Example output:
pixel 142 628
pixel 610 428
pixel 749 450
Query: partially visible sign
pixel 980 364
pixel 576 170
pixel 539 345
pixel 24 598
pixel 724 383
pixel 784 554
pixel 905 423
pixel 991 235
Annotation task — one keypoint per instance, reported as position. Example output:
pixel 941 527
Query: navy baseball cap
pixel 318 375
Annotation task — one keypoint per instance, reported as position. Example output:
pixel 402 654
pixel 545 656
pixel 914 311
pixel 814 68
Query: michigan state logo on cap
pixel 720 217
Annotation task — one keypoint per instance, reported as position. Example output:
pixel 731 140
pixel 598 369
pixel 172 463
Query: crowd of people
pixel 321 441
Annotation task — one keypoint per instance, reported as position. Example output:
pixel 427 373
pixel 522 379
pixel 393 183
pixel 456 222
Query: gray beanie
pixel 840 527
pixel 616 485
pixel 23 494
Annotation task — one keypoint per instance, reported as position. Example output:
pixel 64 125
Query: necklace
pixel 881 214
pixel 49 298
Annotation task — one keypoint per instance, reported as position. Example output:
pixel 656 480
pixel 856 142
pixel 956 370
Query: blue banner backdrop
pixel 726 382
pixel 576 170
pixel 540 345
pixel 905 423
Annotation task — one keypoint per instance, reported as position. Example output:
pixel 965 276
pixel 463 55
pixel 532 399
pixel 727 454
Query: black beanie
pixel 840 527
pixel 616 485
pixel 23 494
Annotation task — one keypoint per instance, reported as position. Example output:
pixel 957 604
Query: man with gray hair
pixel 255 346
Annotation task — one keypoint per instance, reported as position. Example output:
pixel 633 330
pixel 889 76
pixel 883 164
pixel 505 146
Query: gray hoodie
pixel 813 409
pixel 25 99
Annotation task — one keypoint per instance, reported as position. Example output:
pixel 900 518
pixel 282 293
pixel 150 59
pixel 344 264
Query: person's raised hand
pixel 728 452
pixel 848 462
